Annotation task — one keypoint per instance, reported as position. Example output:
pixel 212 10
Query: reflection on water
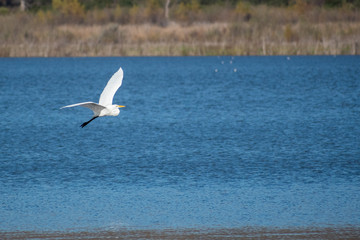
pixel 274 143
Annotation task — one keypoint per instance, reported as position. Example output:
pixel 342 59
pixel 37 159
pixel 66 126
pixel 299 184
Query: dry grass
pixel 268 31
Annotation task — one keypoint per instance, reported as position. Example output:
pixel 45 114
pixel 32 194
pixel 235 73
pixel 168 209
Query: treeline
pixel 174 27
pixel 159 12
pixel 91 4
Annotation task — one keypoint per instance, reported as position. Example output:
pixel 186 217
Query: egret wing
pixel 111 87
pixel 96 108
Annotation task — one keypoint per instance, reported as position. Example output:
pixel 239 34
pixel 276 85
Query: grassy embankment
pixel 241 30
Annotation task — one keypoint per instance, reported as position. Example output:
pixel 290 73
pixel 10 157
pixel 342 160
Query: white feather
pixel 111 87
pixel 104 107
pixel 96 108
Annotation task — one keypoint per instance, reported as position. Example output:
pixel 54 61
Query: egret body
pixel 105 106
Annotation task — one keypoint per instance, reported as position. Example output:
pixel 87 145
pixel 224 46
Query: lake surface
pixel 204 142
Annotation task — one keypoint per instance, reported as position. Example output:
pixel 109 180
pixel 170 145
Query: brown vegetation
pixel 217 233
pixel 70 30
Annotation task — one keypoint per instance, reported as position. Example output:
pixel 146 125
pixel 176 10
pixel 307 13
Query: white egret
pixel 105 106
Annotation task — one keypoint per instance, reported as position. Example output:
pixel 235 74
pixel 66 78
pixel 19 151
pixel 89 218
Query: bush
pixel 45 16
pixel 71 9
pixel 243 10
pixel 4 10
pixel 154 12
pixel 188 12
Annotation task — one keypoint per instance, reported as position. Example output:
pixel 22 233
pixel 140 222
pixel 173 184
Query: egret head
pixel 115 110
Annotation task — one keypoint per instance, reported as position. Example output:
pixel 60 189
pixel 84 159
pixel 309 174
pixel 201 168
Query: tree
pixel 22 5
pixel 69 9
pixel 167 10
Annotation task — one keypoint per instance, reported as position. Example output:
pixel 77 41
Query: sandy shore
pixel 350 232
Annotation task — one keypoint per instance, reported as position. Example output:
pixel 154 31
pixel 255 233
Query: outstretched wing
pixel 96 108
pixel 111 87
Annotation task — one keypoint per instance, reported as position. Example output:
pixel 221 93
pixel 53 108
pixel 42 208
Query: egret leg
pixel 86 123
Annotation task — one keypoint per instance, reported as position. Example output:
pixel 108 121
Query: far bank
pixel 269 31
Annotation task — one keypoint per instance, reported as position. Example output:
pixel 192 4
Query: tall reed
pixel 244 30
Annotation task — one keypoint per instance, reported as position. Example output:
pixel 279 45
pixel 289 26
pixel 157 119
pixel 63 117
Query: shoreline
pixel 270 31
pixel 344 232
pixel 180 56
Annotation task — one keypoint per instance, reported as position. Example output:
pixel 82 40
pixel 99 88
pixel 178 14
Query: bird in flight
pixel 105 106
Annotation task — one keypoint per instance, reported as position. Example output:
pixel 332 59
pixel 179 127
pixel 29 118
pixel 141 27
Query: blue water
pixel 203 142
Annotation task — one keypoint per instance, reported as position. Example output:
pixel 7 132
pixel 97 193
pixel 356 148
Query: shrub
pixel 44 16
pixel 243 10
pixel 134 14
pixel 4 10
pixel 70 9
pixel 188 12
pixel 301 6
pixel 153 12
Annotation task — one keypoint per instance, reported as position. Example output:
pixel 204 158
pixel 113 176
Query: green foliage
pixel 333 3
pixel 44 16
pixel 189 11
pixel 36 5
pixel 118 12
pixel 134 14
pixel 154 11
pixel 96 4
pixel 4 10
pixel 69 8
pixel 300 6
pixel 268 2
pixel 243 9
